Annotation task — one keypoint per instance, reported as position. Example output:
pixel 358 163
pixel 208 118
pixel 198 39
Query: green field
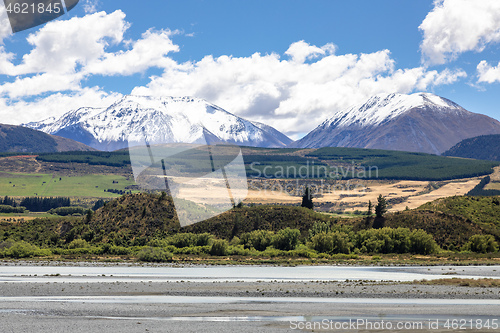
pixel 16 184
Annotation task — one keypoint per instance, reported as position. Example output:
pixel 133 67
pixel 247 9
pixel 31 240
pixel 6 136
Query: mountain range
pixel 420 122
pixel 159 120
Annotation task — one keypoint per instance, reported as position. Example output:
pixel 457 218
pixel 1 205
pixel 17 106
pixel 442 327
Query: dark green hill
pixel 325 163
pixel 484 147
pixel 483 211
pixel 20 139
pixel 137 218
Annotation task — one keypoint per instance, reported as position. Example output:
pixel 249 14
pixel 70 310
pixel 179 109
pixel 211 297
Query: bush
pixel 196 250
pixel 78 244
pixel 219 247
pixel 154 254
pixel 481 244
pixel 190 239
pixel 10 209
pixel 422 243
pixel 257 239
pixel 332 242
pixel 400 240
pixel 65 211
pixel 22 249
pixel 286 239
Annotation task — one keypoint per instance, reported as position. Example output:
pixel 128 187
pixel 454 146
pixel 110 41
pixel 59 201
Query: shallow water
pixel 96 274
pixel 150 299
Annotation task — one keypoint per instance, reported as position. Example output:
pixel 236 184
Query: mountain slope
pixel 420 122
pixel 484 147
pixel 26 140
pixel 161 120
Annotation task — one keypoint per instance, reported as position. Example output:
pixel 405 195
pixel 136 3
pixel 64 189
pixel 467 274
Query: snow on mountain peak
pixel 162 120
pixel 383 107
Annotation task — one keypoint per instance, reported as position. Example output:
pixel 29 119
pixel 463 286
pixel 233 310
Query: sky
pixel 288 63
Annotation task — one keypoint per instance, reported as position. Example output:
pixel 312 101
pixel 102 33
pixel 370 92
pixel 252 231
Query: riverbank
pixel 53 297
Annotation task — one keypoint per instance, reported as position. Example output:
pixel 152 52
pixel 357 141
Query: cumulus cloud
pixel 302 51
pixel 290 94
pixel 488 73
pixel 150 51
pixel 293 91
pixel 66 52
pixel 457 26
pixel 61 46
pixel 24 111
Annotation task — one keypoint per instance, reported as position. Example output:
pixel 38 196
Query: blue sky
pixel 288 63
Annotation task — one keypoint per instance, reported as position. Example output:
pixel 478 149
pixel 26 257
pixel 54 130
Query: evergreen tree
pixel 307 199
pixel 381 207
pixel 370 207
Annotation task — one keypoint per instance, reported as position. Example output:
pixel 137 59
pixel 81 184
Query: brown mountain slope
pixel 417 123
pixel 20 139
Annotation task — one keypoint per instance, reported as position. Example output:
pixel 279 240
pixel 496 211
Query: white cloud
pixel 5 29
pixel 66 52
pixel 301 51
pixel 150 51
pixel 457 26
pixel 289 94
pixel 292 92
pixel 488 73
pixel 21 111
pixel 61 46
pixel 39 84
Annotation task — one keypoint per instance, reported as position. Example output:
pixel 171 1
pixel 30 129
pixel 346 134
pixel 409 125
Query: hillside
pixel 145 215
pixel 139 218
pixel 483 211
pixel 25 140
pixel 484 147
pixel 336 162
pixel 420 122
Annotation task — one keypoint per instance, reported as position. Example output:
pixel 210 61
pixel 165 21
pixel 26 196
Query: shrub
pixel 78 244
pixel 154 254
pixel 190 239
pixel 481 244
pixel 422 243
pixel 219 247
pixel 22 249
pixel 258 239
pixel 400 240
pixel 10 209
pixel 286 239
pixel 65 211
pixel 332 242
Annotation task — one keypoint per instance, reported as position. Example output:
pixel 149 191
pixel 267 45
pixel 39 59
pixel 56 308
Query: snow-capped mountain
pixel 420 122
pixel 160 120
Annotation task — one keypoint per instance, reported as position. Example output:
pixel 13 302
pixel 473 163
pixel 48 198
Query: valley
pixel 337 177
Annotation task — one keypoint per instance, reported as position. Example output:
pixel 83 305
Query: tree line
pixel 38 204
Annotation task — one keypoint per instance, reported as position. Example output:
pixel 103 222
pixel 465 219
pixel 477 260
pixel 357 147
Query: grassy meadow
pixel 47 185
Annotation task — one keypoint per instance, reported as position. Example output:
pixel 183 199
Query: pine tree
pixel 370 207
pixel 307 199
pixel 381 207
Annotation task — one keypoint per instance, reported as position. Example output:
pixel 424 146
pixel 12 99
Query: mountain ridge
pixel 420 122
pixel 163 120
